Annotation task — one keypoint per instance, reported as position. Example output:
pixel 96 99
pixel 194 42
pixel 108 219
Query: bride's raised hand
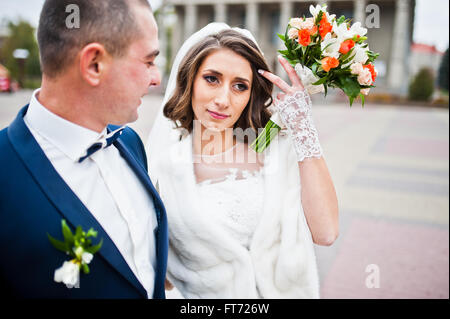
pixel 280 83
pixel 295 109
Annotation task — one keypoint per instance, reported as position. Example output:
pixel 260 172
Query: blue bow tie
pixel 102 143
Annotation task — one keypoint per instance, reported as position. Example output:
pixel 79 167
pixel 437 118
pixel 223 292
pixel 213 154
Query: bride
pixel 241 224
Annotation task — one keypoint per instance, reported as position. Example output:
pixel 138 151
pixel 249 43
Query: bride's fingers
pixel 276 80
pixel 280 96
pixel 293 76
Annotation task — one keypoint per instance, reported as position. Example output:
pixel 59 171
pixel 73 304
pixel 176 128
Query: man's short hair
pixel 108 22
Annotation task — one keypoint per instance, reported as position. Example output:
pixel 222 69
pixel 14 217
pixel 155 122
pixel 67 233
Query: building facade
pixel 389 22
pixel 425 56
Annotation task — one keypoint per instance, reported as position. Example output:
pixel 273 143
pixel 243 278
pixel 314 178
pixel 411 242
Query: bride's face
pixel 222 88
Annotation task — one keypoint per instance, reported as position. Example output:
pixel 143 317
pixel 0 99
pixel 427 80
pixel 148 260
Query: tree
pixel 21 36
pixel 443 73
pixel 422 86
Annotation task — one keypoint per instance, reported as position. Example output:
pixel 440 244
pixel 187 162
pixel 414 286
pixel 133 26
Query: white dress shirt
pixel 105 184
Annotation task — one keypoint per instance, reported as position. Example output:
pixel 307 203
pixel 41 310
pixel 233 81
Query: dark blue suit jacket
pixel 34 199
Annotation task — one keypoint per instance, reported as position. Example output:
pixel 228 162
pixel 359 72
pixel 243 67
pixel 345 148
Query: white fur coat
pixel 207 262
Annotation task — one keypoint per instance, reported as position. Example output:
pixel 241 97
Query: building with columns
pixel 390 27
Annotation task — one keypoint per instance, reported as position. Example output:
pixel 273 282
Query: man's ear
pixel 93 61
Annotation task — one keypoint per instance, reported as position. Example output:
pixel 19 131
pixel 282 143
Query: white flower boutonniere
pixel 80 248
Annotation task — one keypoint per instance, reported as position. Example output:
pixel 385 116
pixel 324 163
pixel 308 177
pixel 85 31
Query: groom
pixel 68 156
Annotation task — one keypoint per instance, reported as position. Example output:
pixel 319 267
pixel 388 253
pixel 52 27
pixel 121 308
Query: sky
pixel 431 18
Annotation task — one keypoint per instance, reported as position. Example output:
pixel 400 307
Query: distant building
pixel 425 56
pixel 266 18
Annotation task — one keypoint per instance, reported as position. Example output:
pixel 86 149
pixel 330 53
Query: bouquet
pixel 325 52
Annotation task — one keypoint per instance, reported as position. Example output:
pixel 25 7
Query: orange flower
pixel 304 38
pixel 329 63
pixel 346 46
pixel 312 30
pixel 371 68
pixel 325 27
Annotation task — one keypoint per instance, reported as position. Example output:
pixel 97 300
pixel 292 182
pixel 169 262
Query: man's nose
pixel 156 78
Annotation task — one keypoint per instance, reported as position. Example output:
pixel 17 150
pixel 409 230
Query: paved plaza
pixel 390 166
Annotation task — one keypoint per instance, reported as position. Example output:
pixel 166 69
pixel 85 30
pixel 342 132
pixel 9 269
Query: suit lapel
pixel 63 198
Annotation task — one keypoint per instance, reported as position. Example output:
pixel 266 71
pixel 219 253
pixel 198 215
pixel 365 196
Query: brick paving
pixel 390 166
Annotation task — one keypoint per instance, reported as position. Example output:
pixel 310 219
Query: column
pixel 286 9
pixel 190 20
pixel 398 76
pixel 220 12
pixel 251 19
pixel 286 13
pixel 359 11
pixel 162 60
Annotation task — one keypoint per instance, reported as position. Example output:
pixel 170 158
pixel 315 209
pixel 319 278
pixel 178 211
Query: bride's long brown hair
pixel 255 115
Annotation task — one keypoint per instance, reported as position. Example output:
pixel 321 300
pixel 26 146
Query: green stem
pixel 263 140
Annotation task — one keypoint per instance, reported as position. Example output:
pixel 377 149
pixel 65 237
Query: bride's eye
pixel 210 78
pixel 241 87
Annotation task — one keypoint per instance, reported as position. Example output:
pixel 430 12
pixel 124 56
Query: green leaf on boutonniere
pixel 91 233
pixel 67 233
pixel 78 233
pixel 85 268
pixel 95 248
pixel 60 245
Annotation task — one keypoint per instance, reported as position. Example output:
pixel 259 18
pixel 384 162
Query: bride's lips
pixel 217 116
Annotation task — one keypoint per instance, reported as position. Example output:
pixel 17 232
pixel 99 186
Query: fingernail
pixel 260 71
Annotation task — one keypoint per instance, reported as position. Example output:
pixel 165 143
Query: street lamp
pixel 21 55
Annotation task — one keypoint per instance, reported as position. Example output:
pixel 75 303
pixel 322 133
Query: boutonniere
pixel 80 248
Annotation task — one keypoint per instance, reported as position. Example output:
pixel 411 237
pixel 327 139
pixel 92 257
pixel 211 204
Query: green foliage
pixel 350 86
pixel 21 36
pixel 422 86
pixel 73 241
pixel 443 73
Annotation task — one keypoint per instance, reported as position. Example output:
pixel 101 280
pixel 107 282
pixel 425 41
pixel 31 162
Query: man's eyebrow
pixel 218 73
pixel 152 54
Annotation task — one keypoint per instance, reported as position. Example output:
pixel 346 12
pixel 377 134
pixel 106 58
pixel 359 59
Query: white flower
pixel 87 257
pixel 357 29
pixel 308 78
pixel 307 24
pixel 296 23
pixel 341 32
pixel 69 274
pixel 356 68
pixel 300 23
pixel 293 33
pixel 365 77
pixel 360 54
pixel 365 91
pixel 315 12
pixel 330 46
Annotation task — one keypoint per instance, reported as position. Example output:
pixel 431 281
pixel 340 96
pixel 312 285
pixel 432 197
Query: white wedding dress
pixel 232 190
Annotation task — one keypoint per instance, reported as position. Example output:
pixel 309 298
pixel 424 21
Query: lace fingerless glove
pixel 296 113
